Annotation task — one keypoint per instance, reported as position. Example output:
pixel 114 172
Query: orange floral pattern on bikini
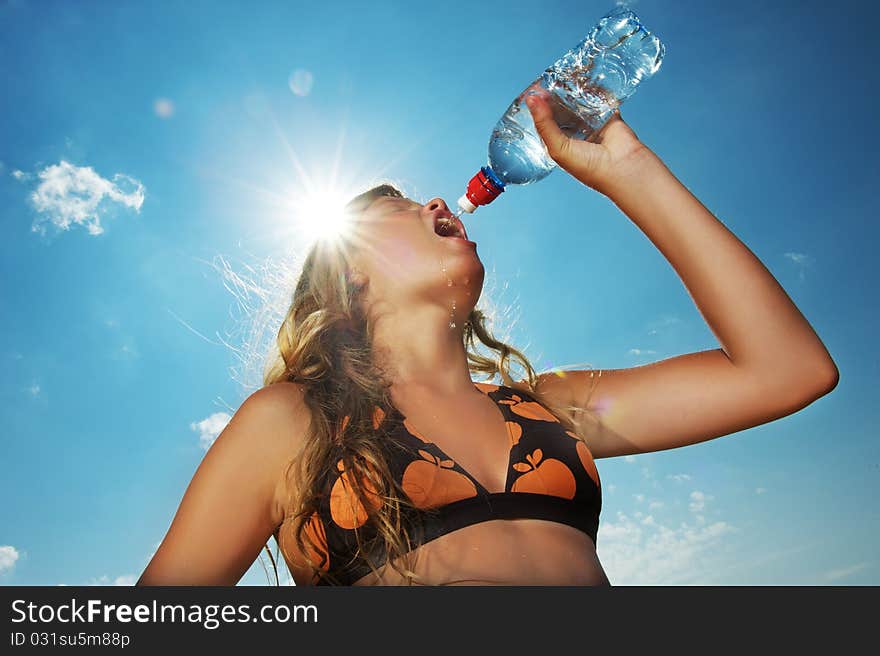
pixel 414 432
pixel 544 476
pixel 514 431
pixel 432 482
pixel 586 457
pixel 345 508
pixel 587 461
pixel 316 548
pixel 528 409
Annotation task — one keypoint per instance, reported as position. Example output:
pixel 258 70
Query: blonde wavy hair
pixel 324 345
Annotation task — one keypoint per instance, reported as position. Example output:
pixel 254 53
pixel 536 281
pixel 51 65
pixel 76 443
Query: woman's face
pixel 399 251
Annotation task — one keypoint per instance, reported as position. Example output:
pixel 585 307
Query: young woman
pixel 372 456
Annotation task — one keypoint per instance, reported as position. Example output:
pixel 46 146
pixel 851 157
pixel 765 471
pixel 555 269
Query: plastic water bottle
pixel 586 85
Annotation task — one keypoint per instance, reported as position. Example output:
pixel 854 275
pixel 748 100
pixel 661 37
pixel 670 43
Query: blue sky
pixel 152 152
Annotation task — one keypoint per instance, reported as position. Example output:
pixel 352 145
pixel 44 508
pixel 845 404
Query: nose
pixel 436 204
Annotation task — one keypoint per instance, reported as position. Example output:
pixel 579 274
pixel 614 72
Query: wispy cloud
pixel 210 427
pixel 125 579
pixel 8 557
pixel 121 344
pixel 760 490
pixel 639 549
pixel 698 501
pixel 127 351
pixel 801 261
pixel 73 195
pixel 637 351
pixel 842 573
pixel 679 478
pixel 662 324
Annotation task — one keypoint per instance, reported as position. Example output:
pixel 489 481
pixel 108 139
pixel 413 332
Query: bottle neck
pixel 483 188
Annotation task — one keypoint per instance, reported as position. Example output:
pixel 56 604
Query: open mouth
pixel 449 227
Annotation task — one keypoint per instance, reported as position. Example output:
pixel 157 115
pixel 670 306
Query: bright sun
pixel 321 215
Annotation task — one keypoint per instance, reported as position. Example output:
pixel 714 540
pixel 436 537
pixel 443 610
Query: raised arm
pixel 771 363
pixel 232 504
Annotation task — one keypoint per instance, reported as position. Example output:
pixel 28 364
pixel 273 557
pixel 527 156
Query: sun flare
pixel 321 215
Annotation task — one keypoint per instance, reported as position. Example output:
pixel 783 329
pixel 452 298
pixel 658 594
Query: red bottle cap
pixel 481 189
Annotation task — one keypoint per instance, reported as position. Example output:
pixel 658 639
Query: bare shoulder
pixel 231 506
pixel 282 402
pixel 277 419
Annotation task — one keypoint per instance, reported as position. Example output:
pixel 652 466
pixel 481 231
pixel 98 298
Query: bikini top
pixel 551 475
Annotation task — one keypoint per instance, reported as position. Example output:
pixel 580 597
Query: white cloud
pixel 801 261
pixel 835 574
pixel 8 557
pixel 210 427
pixel 646 552
pixel 698 501
pixel 798 258
pixel 125 579
pixel 69 194
pixel 629 458
pixel 20 175
pixel 760 490
pixel 636 351
pixel 654 505
pixel 639 497
pixel 678 478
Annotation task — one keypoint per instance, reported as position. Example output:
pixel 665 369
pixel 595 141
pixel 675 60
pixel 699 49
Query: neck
pixel 421 353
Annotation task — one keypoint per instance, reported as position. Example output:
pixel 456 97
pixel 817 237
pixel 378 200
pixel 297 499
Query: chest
pixel 508 443
pixel 474 437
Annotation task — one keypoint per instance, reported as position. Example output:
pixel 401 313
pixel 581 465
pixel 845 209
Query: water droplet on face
pixel 449 282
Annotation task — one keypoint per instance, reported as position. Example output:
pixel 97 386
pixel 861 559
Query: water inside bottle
pixel 584 87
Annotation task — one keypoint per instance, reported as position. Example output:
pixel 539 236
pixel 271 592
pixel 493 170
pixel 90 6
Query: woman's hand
pixel 613 153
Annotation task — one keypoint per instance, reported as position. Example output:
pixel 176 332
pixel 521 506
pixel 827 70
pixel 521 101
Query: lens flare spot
pixel 163 107
pixel 300 82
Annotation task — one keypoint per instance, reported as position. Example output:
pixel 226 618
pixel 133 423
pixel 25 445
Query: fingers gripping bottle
pixel 586 85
